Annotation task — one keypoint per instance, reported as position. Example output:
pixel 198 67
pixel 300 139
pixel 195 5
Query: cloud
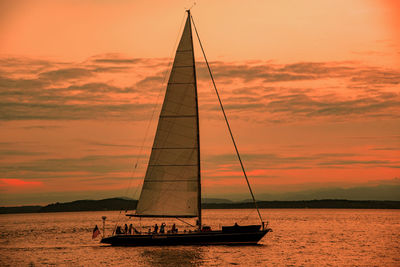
pixel 65 74
pixel 103 144
pixel 373 75
pixel 365 92
pixel 82 166
pixel 73 91
pixel 10 86
pixel 42 127
pixel 263 72
pixel 112 86
pixel 8 153
pixel 150 81
pixel 319 106
pixel 380 192
pixel 386 148
pixel 115 60
pixel 96 88
pixel 319 69
pixel 224 163
pixel 118 88
pixel 388 137
pixel 24 99
pixel 241 107
pixel 374 163
pixel 268 72
pixel 49 111
pixel 23 66
pixel 118 61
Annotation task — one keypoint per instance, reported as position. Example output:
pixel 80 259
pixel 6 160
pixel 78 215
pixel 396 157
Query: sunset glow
pixel 18 183
pixel 311 89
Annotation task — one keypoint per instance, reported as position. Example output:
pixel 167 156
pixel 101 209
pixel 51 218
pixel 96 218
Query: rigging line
pixel 226 120
pixel 116 222
pixel 246 217
pixel 179 219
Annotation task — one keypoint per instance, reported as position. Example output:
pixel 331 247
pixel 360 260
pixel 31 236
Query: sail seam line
pixel 174 148
pixel 153 181
pixel 186 66
pixel 165 165
pixel 179 83
pixel 176 116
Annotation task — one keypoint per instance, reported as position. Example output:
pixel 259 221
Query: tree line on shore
pixel 129 204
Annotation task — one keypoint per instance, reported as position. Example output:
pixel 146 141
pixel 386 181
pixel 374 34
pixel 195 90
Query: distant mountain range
pixel 380 192
pixel 381 196
pixel 130 204
pixel 120 203
pixel 203 200
pixel 215 200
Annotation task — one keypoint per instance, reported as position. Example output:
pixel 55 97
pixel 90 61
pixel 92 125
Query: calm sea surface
pixel 300 237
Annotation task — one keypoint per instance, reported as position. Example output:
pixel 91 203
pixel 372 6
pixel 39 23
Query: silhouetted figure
pixel 126 229
pixel 118 231
pixel 130 229
pixel 162 228
pixel 136 231
pixel 173 229
pixel 206 228
pixel 155 229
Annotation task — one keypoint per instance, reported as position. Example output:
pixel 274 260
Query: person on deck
pixel 136 231
pixel 126 229
pixel 130 229
pixel 155 229
pixel 118 231
pixel 173 229
pixel 162 228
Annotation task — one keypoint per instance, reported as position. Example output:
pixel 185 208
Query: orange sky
pixel 311 89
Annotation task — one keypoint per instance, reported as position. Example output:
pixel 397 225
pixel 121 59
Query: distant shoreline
pixel 124 204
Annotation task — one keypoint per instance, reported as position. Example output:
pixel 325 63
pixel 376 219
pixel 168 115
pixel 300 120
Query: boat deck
pixel 219 237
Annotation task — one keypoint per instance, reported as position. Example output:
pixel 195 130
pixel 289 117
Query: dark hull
pixel 196 238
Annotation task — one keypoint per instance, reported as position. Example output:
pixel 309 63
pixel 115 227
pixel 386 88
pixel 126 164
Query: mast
pixel 198 127
pixel 227 123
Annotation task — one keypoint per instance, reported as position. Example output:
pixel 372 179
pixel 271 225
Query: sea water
pixel 319 237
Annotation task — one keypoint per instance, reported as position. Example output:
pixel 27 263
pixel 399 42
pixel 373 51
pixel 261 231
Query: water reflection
pixel 172 256
pixel 301 237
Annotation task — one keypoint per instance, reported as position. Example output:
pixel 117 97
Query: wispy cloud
pixel 265 91
pixel 42 127
pixel 92 163
pixel 269 161
pixel 8 153
pixel 386 148
pixel 65 74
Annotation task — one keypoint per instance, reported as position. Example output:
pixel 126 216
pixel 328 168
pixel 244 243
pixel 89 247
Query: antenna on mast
pixel 188 9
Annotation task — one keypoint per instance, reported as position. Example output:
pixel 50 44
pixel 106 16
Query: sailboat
pixel 172 183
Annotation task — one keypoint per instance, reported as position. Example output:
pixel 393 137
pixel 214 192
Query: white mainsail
pixel 171 186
